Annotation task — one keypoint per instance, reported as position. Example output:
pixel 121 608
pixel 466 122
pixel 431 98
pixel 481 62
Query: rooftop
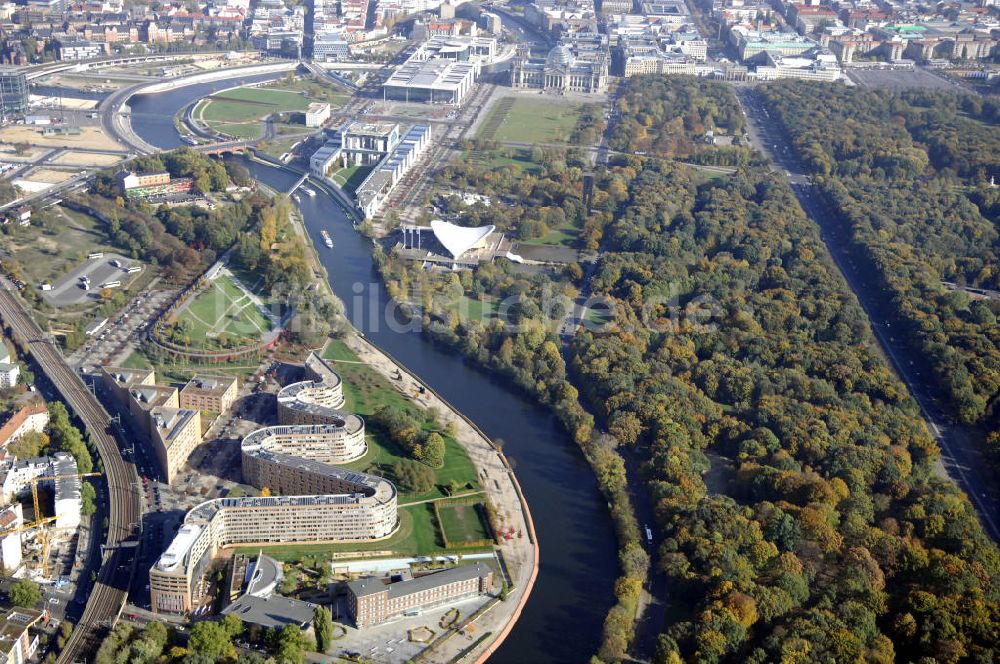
pixel 371 585
pixel 208 384
pixel 459 239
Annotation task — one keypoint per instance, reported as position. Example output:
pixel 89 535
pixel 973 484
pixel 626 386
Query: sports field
pixel 223 308
pixel 531 120
pixel 463 523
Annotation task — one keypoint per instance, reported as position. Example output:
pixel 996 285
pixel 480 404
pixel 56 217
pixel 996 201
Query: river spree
pixel 578 563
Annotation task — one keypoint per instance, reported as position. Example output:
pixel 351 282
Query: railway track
pixel 117 565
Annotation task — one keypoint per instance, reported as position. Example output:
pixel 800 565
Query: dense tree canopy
pixel 793 480
pixel 909 173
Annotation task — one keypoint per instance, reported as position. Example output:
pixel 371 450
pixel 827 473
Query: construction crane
pixel 34 498
pixel 26 526
pixel 36 480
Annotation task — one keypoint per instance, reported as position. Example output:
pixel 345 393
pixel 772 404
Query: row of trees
pixel 792 477
pixel 909 175
pixel 520 342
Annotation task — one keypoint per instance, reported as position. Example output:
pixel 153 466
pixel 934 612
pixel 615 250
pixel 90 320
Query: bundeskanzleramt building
pixel 366 513
pixel 370 601
pixel 212 393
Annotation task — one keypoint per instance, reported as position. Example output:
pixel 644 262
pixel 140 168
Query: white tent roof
pixel 459 239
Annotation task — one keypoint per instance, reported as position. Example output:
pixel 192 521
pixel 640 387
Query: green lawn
pixel 365 391
pixel 491 160
pixel 222 309
pixel 313 89
pixel 239 112
pixel 248 130
pixel 349 178
pixel 463 523
pixel 562 236
pixel 244 104
pixel 531 120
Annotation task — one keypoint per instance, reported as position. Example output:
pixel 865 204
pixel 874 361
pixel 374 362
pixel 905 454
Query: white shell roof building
pixel 459 239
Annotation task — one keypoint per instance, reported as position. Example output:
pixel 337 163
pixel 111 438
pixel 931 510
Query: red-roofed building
pixel 34 417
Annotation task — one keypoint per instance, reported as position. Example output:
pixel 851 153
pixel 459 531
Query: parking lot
pixel 103 269
pixel 121 332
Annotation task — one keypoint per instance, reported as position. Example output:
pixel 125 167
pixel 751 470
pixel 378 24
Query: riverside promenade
pixel 500 485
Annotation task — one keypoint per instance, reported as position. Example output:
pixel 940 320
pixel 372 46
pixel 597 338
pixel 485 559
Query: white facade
pixel 11 517
pixel 9 374
pixel 317 114
pixel 373 193
pixel 18 477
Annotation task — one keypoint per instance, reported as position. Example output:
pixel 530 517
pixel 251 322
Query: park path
pixel 499 484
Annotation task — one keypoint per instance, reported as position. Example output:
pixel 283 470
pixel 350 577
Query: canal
pixel 578 562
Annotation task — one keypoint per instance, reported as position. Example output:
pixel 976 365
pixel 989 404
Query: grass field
pixel 46 254
pixel 349 178
pixel 561 236
pixel 463 523
pixel 220 309
pixel 313 89
pixel 530 121
pixel 518 158
pixel 239 112
pixel 365 391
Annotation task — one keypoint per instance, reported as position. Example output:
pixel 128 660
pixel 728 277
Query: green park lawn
pixel 365 391
pixel 223 309
pixel 463 523
pixel 531 121
pixel 491 160
pixel 350 177
pixel 239 112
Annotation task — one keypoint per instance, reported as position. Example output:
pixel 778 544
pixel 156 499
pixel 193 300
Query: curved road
pixel 108 595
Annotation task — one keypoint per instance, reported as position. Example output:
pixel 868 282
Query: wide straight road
pixel 961 446
pixel 117 563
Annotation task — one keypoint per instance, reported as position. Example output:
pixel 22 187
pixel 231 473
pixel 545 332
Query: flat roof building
pixel 175 432
pixel 337 442
pixel 17 645
pixel 260 605
pixel 375 190
pixel 209 392
pixel 371 601
pixel 316 400
pixel 365 514
pixel 317 113
pixel 172 430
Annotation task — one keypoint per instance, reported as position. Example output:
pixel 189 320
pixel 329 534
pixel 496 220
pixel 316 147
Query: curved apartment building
pixel 316 400
pixel 319 501
pixel 364 510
